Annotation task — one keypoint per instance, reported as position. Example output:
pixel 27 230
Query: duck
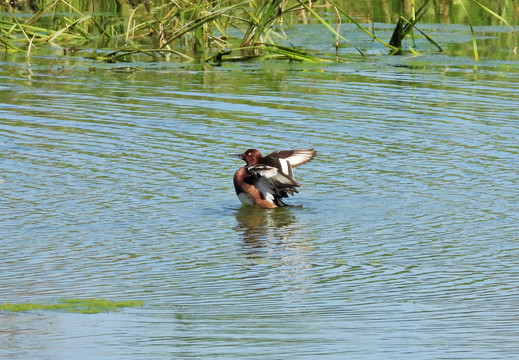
pixel 266 180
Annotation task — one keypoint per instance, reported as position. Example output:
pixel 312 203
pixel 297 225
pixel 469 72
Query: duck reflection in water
pixel 261 229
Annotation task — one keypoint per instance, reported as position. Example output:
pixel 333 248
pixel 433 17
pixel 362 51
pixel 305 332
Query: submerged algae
pixel 84 306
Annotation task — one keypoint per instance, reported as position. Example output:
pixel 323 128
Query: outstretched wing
pixel 294 157
pixel 272 183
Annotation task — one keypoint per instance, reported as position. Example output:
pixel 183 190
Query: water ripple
pixel 120 187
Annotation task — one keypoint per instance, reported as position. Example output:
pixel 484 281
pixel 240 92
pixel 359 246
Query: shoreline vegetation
pixel 209 31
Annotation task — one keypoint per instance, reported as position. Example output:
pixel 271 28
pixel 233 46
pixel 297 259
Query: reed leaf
pixel 266 13
pixel 9 45
pixel 74 25
pixel 30 47
pixel 60 32
pixel 293 53
pixel 19 26
pixel 101 30
pixel 29 29
pixel 488 10
pixel 474 42
pixel 336 33
pixel 362 28
pixel 122 54
pixel 42 12
pixel 431 40
pixel 127 35
pixel 494 14
pixel 202 20
pixel 277 50
pixel 404 27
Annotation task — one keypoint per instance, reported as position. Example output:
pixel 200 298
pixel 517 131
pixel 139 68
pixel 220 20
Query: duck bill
pixel 239 156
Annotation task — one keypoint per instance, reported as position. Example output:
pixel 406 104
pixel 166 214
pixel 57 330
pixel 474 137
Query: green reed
pixel 197 30
pixel 488 11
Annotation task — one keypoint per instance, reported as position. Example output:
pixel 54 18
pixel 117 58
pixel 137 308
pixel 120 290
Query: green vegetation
pixel 212 31
pixel 84 306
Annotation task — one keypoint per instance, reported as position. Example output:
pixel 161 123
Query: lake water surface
pixel 118 185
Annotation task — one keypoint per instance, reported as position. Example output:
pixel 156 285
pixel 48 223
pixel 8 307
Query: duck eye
pixel 249 153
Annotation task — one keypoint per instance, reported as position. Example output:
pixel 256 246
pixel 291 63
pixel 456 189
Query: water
pixel 118 186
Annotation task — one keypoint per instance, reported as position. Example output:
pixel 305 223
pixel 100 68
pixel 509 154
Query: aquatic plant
pixel 84 306
pixel 196 30
pixel 405 26
pixel 489 11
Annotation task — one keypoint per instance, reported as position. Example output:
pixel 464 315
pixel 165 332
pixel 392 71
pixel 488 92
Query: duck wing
pixel 272 183
pixel 294 157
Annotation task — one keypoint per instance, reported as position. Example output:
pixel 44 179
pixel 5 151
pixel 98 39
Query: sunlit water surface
pixel 118 186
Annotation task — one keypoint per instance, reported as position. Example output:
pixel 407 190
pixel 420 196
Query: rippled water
pixel 118 185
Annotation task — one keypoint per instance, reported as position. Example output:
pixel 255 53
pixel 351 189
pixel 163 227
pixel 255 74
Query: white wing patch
pixel 272 175
pixel 285 166
pixel 263 170
pixel 271 183
pixel 300 157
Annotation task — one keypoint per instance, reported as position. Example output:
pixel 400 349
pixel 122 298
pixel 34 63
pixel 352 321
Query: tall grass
pixel 491 13
pixel 197 30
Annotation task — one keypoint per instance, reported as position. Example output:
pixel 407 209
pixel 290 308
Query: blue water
pixel 119 186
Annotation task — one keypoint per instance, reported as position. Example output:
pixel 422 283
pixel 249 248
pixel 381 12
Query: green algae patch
pixel 83 306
